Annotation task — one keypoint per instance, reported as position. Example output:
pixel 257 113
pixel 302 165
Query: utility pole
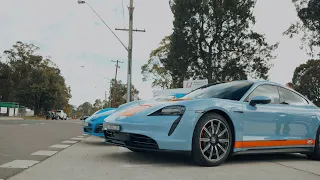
pixel 115 83
pixel 129 77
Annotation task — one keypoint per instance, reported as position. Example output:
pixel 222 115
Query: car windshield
pixel 231 90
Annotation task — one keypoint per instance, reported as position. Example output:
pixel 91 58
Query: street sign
pixel 193 84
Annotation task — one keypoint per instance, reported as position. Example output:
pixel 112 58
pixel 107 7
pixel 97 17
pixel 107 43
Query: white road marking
pixel 77 138
pixel 42 123
pixel 133 165
pixel 61 146
pixel 24 124
pixel 19 164
pixel 80 136
pixel 85 134
pixel 44 153
pixel 69 142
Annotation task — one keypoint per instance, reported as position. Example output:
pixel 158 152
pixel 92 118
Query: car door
pixel 263 121
pixel 298 122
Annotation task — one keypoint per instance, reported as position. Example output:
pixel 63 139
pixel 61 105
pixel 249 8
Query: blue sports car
pixel 219 120
pixel 93 124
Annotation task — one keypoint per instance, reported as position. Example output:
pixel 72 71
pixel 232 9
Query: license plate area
pixel 111 127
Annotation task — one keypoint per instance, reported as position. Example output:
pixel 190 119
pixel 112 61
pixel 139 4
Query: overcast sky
pixel 75 37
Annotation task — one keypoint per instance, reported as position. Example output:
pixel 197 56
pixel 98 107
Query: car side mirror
pixel 260 100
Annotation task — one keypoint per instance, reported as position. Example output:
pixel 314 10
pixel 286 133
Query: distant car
pixel 61 115
pixel 219 120
pixel 84 117
pixel 93 124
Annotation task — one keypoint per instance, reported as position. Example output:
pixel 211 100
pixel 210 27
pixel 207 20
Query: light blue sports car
pixel 93 124
pixel 219 120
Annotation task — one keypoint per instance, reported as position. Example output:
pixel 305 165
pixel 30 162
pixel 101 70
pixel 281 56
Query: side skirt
pixel 275 150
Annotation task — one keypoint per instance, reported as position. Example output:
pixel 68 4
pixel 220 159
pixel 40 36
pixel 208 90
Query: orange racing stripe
pixel 273 143
pixel 134 110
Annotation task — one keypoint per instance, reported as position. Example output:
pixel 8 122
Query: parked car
pixel 61 115
pixel 220 120
pixel 93 124
pixel 84 117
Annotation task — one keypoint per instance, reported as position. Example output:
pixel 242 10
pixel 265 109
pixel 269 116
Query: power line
pixel 84 2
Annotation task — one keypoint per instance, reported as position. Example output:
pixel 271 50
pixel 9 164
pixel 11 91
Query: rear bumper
pixel 94 130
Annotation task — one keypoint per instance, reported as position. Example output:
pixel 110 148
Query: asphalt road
pixel 92 159
pixel 19 139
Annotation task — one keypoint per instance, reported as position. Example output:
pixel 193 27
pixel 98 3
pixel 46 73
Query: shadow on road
pixel 95 142
pixel 258 158
pixel 177 159
pixel 158 158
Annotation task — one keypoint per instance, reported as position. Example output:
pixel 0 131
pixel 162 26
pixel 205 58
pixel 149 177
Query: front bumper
pixel 93 129
pixel 152 132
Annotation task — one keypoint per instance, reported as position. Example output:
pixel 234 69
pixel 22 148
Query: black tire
pixel 215 143
pixel 316 154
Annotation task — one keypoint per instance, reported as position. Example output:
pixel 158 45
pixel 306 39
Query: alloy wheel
pixel 214 140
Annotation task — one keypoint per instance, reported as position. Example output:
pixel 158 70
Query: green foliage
pixel 32 80
pixel 211 39
pixel 309 15
pixel 98 104
pixel 306 80
pixel 118 91
pixel 154 69
pixel 85 109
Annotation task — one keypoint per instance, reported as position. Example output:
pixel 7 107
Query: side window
pixel 266 90
pixel 291 98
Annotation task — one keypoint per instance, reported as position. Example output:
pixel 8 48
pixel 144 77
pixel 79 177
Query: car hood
pixel 100 115
pixel 144 108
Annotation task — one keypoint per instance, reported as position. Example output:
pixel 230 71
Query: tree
pixel 308 12
pixel 5 73
pixel 32 80
pixel 98 104
pixel 117 93
pixel 213 39
pixel 222 32
pixel 306 80
pixel 85 109
pixel 154 69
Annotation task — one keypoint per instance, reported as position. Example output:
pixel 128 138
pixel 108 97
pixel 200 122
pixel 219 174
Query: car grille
pixel 131 140
pixel 98 128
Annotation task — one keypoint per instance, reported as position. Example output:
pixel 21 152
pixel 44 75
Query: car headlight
pixel 173 110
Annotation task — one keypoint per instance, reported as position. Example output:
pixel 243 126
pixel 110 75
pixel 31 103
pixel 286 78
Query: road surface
pixel 19 139
pixel 92 159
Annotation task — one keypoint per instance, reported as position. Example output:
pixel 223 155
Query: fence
pixel 14 109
